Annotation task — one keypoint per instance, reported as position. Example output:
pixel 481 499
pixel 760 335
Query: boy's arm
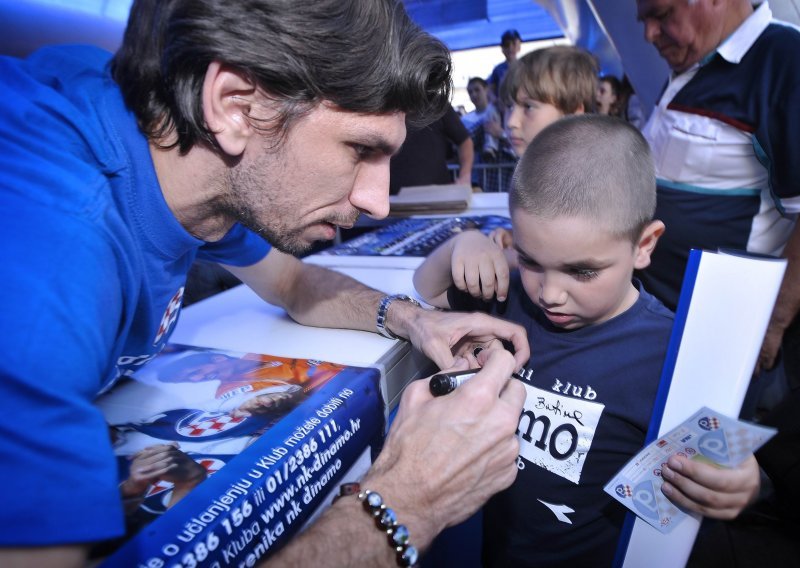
pixel 471 262
pixel 433 277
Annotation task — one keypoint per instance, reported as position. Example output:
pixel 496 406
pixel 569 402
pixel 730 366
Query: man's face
pixel 478 94
pixel 510 49
pixel 578 275
pixel 331 166
pixel 527 117
pixel 684 33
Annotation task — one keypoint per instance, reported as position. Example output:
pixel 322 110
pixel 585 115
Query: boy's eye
pixel 584 274
pixel 528 263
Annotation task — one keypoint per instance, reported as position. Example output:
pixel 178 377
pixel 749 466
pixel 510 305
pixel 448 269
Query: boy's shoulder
pixel 652 305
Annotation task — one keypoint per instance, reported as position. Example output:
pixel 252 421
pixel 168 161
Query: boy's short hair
pixel 591 166
pixel 562 75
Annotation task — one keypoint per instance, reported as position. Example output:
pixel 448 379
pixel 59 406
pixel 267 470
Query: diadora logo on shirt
pixel 556 431
pixel 170 315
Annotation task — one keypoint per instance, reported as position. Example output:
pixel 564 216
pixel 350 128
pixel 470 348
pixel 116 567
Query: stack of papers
pixel 430 199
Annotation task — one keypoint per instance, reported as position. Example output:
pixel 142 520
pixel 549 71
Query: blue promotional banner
pixel 247 453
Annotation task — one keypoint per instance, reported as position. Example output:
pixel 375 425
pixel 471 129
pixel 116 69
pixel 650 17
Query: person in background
pixel 216 133
pixel 510 45
pixel 491 147
pixel 425 155
pixel 724 140
pixel 582 204
pixel 609 96
pixel 633 111
pixel 725 144
pixel 486 145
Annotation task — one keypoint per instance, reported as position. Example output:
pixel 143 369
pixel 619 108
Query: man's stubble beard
pixel 247 193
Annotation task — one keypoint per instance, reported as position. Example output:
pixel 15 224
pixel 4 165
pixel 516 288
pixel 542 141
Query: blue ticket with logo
pixel 706 436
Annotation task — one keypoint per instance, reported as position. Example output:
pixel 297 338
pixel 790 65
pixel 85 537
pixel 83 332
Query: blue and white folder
pixel 725 305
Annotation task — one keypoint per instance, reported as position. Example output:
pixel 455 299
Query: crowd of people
pixel 119 171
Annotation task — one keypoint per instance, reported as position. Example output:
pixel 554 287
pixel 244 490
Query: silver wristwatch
pixel 383 309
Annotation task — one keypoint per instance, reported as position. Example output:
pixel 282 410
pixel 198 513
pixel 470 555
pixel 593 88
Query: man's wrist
pixel 404 499
pixel 387 320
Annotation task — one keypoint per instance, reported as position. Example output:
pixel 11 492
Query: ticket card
pixel 706 436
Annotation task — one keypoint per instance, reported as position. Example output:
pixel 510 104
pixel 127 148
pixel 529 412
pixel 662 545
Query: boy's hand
pixel 503 238
pixel 711 491
pixel 479 267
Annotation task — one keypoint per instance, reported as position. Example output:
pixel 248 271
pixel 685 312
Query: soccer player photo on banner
pixel 222 456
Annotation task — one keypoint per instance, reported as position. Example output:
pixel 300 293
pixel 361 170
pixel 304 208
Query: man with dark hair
pixel 239 134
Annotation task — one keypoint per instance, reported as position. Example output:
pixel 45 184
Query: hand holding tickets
pixel 706 436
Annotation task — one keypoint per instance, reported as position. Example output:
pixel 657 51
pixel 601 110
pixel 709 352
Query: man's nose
pixel 370 193
pixel 651 30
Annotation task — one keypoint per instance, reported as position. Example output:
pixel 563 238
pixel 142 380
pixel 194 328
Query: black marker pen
pixel 444 383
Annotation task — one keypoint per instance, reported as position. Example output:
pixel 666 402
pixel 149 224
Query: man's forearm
pixel 312 295
pixel 326 298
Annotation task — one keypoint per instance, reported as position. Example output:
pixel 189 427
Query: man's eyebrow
pixel 379 143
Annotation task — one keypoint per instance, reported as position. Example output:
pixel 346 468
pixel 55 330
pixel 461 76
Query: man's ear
pixel 227 100
pixel 647 244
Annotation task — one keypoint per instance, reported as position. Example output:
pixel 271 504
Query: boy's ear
pixel 580 110
pixel 227 100
pixel 647 243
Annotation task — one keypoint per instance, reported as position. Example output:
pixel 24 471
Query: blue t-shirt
pixel 590 393
pixel 497 76
pixel 93 268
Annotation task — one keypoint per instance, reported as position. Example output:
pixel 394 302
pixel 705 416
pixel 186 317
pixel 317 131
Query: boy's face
pixel 525 118
pixel 576 273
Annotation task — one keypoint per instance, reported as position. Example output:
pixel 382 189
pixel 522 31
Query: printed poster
pixel 223 456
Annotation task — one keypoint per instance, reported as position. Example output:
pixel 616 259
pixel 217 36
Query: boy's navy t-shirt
pixel 590 393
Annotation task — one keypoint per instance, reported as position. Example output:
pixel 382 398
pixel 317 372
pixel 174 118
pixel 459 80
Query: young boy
pixel 582 202
pixel 543 86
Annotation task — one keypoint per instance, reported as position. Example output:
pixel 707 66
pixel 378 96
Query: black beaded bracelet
pixel 385 520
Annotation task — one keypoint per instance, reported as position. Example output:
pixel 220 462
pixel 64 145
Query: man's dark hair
pixel 363 56
pixel 509 36
pixel 479 80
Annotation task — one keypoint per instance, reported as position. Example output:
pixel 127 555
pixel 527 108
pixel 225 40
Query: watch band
pixel 383 310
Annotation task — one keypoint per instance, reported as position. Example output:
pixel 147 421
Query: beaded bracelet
pixel 385 520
